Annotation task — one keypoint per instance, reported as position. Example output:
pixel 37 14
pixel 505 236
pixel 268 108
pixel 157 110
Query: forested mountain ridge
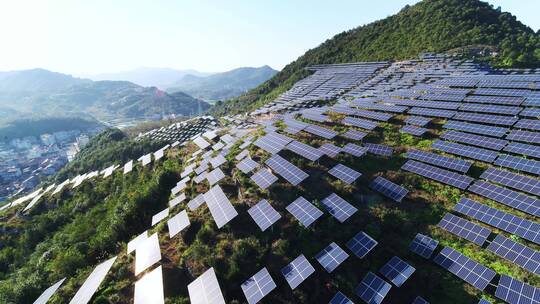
pixel 429 26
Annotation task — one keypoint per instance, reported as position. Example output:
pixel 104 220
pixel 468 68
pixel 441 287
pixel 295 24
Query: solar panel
pixel 518 163
pixel 221 209
pixel 304 211
pixel 397 271
pixel 521 255
pixel 354 150
pixel 331 257
pixel 178 223
pixel 177 200
pixel 241 155
pixel 465 150
pixel 494 99
pixel 379 149
pixel 158 154
pixel 486 118
pixel 128 167
pixel 505 110
pixel 419 300
pixel 507 197
pixel 529 124
pixel 201 143
pixel 524 136
pixel 484 301
pixel 297 271
pixel 465 229
pixel 512 180
pixel 149 289
pixel 263 178
pixel 516 292
pixel 372 289
pixel 268 145
pixel 521 227
pixel 132 245
pixel 388 188
pixel 431 112
pixel 215 176
pixel 92 282
pixel 205 289
pixel 158 217
pixel 530 112
pixel 304 150
pixel 361 244
pixel 354 134
pixel 320 131
pixel 475 140
pixel 423 245
pixel 147 253
pixel 294 126
pixel 451 163
pixel 413 130
pixel 359 122
pixel 247 165
pixel 417 120
pixel 372 115
pixel 465 268
pixel 218 161
pixel 330 149
pixel 288 171
pixel 344 173
pixel 196 202
pixel 264 214
pixel 258 286
pixel 476 128
pixel 440 175
pixel 340 298
pixel 145 159
pixel 49 292
pixel 338 207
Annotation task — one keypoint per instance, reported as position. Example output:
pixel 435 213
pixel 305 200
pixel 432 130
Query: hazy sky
pixel 94 36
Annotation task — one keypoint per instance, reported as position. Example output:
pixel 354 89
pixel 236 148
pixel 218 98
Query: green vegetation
pixel 429 26
pixel 37 126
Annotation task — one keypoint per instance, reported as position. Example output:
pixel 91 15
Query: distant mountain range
pixel 40 92
pixel 222 86
pixel 149 77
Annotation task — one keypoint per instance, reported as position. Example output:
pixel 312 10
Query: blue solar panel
pixel 354 150
pixel 378 149
pixel 340 298
pixel 503 100
pixel 507 197
pixel 419 300
pixel 417 120
pixel 431 112
pixel 264 214
pixel 465 229
pixel 354 134
pixel 530 112
pixel 465 150
pixel 330 149
pixel 338 207
pixel 518 163
pixel 475 140
pixel 304 211
pixel 521 255
pixel 344 173
pixel 331 257
pixel 423 245
pixel 505 110
pixel 287 170
pixel 388 188
pixel 361 244
pixel 297 271
pixel 258 286
pixel 320 131
pixel 359 122
pixel 523 149
pixel 486 118
pixel 451 163
pixel 476 128
pixel 440 175
pixel 466 269
pixel 516 292
pixel 413 130
pixel 524 136
pixel 529 124
pixel 397 271
pixel 372 115
pixel 484 301
pixel 304 150
pixel 372 289
pixel 264 179
pixel 526 229
pixel 512 180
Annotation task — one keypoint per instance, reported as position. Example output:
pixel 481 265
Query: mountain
pixel 430 25
pixel 42 93
pixel 222 86
pixel 148 77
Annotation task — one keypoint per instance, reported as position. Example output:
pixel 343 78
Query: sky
pixel 85 37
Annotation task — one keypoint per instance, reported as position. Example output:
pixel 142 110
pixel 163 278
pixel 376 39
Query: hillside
pixel 148 77
pixel 431 25
pixel 36 126
pixel 57 94
pixel 222 86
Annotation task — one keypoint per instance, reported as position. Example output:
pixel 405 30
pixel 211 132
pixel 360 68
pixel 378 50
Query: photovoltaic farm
pixel 411 181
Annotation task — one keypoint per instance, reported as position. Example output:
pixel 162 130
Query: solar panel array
pixel 451 163
pixel 338 207
pixel 285 169
pixel 512 180
pixel 263 178
pixel 92 282
pixel 523 149
pixel 465 229
pixel 344 173
pixel 397 271
pixel 361 244
pixel 518 163
pixel 205 289
pixel 465 150
pixel 378 149
pixel 220 207
pixel 297 271
pixel 354 134
pixel 475 140
pixel 258 286
pixel 149 289
pixel 331 257
pixel 440 175
pixel 423 245
pixel 340 298
pixel 359 122
pixel 247 165
pixel 388 188
pixel 507 197
pixel 304 211
pixel 354 150
pixel 264 214
pixel 372 289
pixel 466 269
pixel 304 150
pixel 215 176
pixel 321 131
pixel 476 128
pixel 413 130
pixel 330 149
pixel 516 292
pixel 519 254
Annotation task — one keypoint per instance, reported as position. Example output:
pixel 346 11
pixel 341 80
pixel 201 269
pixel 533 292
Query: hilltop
pixel 222 86
pixel 429 26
